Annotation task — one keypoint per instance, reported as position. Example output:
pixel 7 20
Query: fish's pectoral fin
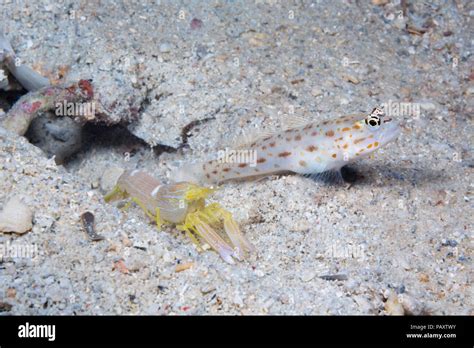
pixel 350 175
pixel 331 177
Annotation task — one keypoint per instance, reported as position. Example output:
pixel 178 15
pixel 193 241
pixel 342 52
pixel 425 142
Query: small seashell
pixel 380 2
pixel 411 305
pixel 183 266
pixel 393 305
pixel 16 217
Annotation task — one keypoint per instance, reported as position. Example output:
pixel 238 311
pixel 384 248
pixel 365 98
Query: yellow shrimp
pixel 183 204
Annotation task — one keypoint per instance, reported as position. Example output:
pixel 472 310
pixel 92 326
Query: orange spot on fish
pixel 243 165
pixel 345 129
pixel 334 155
pixel 369 146
pixel 311 148
pixel 345 146
pixel 261 160
pixel 376 144
pixel 359 140
pixel 356 126
pixel 272 144
pixel 226 169
pixel 302 163
pixel 330 133
pixel 284 154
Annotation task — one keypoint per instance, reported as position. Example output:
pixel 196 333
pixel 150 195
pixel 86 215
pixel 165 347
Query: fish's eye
pixel 372 121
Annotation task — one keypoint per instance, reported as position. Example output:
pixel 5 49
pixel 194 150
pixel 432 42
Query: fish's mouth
pixel 391 130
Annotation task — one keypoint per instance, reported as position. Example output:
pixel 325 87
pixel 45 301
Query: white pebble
pixel 165 47
pixel 307 276
pixel 16 217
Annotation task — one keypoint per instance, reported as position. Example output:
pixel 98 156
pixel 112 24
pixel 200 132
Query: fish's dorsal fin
pixel 294 121
pixel 246 140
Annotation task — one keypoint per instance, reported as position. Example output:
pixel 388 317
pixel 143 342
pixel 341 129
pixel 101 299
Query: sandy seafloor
pixel 401 235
